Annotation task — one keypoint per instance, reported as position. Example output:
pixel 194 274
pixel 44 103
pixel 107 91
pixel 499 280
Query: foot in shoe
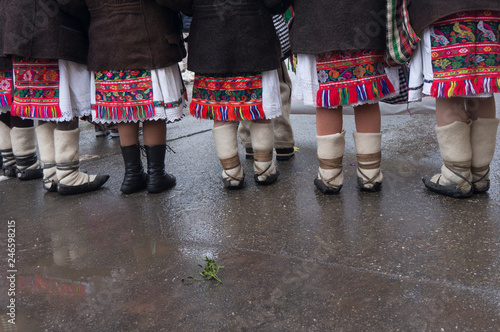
pixel 233 178
pixel 157 183
pixel 329 181
pixel 265 172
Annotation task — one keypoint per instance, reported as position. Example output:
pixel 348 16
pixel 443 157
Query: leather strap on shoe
pixel 335 163
pixel 8 157
pixel 262 155
pixel 26 160
pixel 330 163
pixel 230 163
pixel 367 162
pixel 456 168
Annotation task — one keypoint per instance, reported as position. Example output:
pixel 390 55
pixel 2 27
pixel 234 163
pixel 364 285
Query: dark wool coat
pixel 5 63
pixel 234 36
pixel 40 29
pixel 134 34
pixel 424 12
pixel 321 26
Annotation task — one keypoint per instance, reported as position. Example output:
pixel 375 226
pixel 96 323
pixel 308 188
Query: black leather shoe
pixel 134 179
pixel 83 188
pixel 157 180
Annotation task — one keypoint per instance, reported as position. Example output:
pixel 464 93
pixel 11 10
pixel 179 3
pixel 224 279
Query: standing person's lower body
pixel 330 81
pixel 55 92
pixel 244 97
pixel 17 137
pixel 465 107
pixel 284 142
pixel 130 97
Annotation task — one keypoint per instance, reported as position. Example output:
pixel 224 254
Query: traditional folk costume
pixel 51 84
pixel 135 77
pixel 342 65
pixel 284 141
pixel 459 56
pixel 234 52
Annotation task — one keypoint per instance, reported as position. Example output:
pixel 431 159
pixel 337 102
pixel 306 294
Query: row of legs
pixel 59 162
pixel 466 132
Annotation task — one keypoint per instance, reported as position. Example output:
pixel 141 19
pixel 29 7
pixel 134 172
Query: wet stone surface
pixel 403 259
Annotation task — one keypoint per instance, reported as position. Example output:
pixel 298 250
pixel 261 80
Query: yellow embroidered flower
pixel 359 71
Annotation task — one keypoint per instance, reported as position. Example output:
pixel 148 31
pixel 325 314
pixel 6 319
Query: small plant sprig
pixel 209 271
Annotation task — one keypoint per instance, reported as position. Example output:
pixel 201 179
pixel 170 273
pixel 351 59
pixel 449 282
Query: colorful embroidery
pixel 227 97
pixel 351 77
pixel 124 95
pixel 466 54
pixel 5 87
pixel 36 88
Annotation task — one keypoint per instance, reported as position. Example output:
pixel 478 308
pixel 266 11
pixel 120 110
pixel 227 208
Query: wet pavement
pixel 403 259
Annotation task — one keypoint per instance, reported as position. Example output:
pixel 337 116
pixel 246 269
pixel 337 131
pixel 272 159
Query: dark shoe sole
pixel 269 180
pixel 376 187
pixel 29 174
pixel 444 190
pixel 324 188
pixel 228 185
pixel 84 188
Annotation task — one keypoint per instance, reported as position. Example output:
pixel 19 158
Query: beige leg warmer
pixel 483 134
pixel 330 154
pixel 262 143
pixel 6 147
pixel 455 146
pixel 24 148
pixel 67 158
pixel 368 149
pixel 226 145
pixel 46 148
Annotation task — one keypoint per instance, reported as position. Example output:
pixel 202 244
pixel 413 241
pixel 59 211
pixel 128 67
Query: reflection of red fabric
pixel 52 285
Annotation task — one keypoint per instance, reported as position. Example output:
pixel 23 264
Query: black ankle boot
pixel 158 180
pixel 135 178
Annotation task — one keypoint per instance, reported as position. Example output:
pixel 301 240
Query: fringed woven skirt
pixel 50 89
pixel 137 95
pixel 458 56
pixel 236 96
pixel 6 90
pixel 342 78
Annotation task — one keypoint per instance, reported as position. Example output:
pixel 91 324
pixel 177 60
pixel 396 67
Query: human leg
pixel 367 140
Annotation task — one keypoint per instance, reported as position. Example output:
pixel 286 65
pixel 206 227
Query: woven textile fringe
pixel 354 94
pixel 125 113
pixel 465 87
pixel 5 99
pixel 226 113
pixel 39 112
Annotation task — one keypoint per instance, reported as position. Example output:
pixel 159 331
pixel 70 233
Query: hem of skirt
pixel 465 88
pixel 5 100
pixel 360 94
pixel 169 115
pixel 226 113
pixel 37 112
pixel 64 117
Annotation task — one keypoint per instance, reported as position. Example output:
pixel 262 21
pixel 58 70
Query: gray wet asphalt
pixel 403 259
